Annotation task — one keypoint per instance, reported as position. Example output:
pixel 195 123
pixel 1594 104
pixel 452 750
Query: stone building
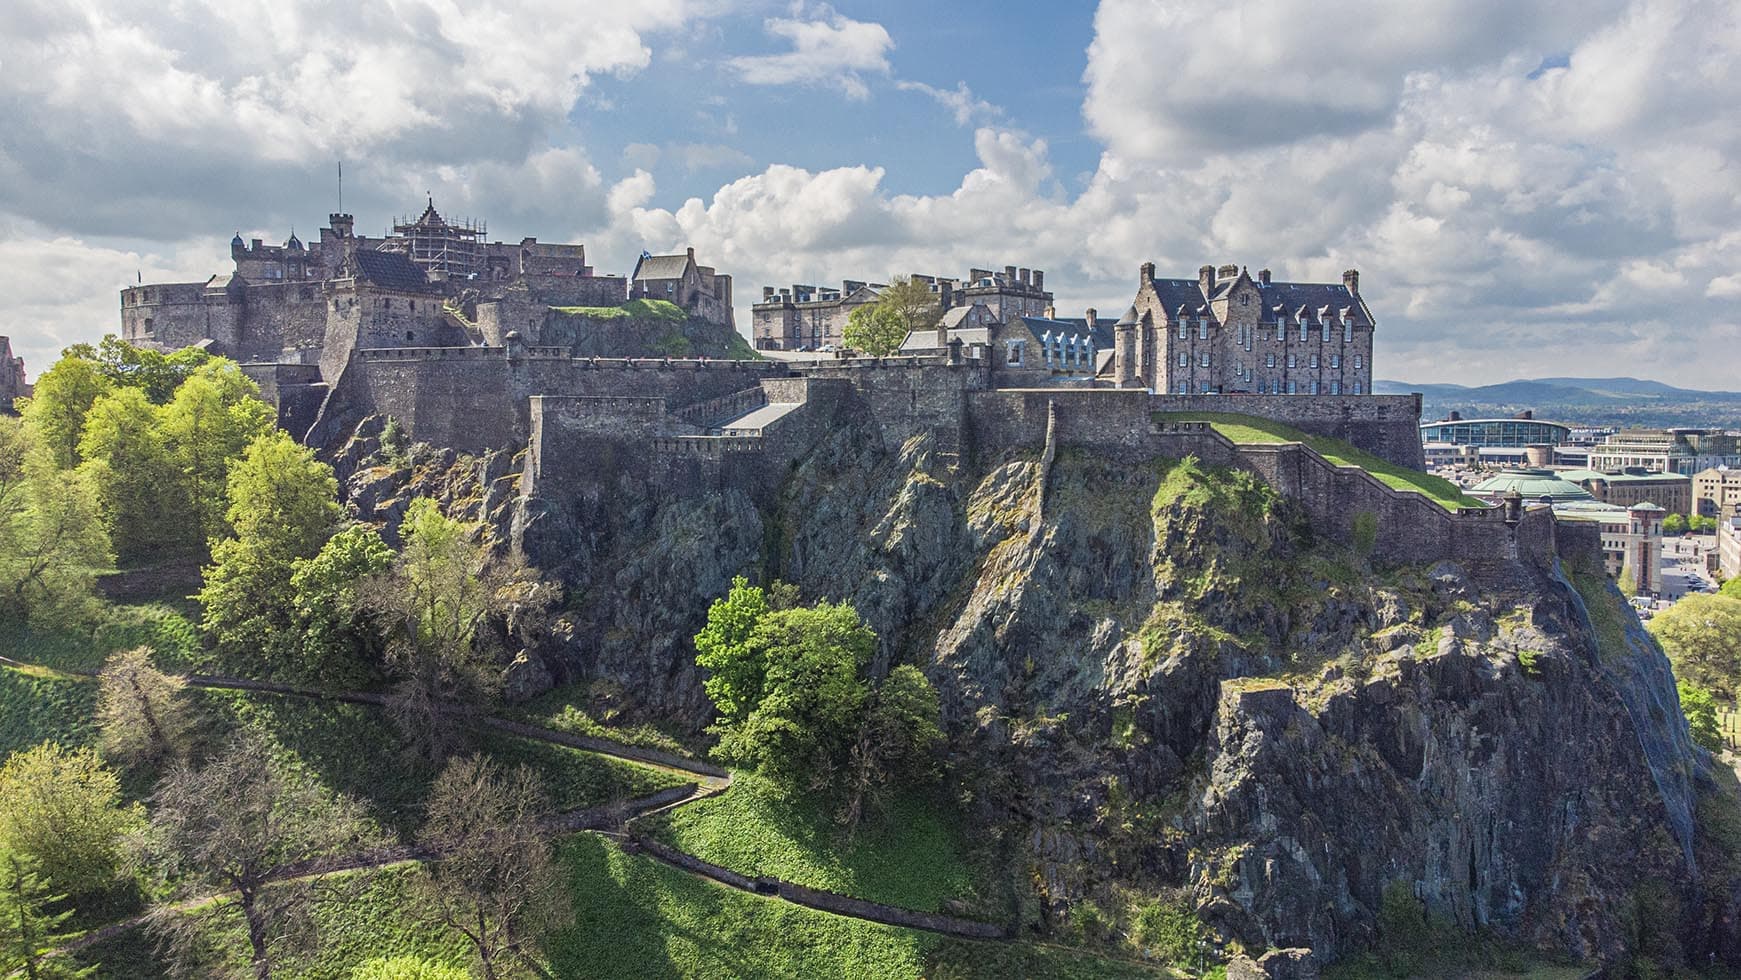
pixel 12 383
pixel 1227 332
pixel 678 279
pixel 809 317
pixel 1717 492
pixel 1729 547
pixel 1672 492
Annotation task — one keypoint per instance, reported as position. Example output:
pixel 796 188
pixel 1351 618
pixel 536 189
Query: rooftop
pixel 1533 485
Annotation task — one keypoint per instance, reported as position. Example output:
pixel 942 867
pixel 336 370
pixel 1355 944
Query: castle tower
pixel 1124 367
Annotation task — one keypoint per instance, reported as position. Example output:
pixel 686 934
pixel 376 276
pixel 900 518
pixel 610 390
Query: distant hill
pixel 1592 401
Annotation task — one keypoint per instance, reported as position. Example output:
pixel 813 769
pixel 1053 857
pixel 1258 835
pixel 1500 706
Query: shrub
pixel 61 809
pixel 407 968
pixel 1169 929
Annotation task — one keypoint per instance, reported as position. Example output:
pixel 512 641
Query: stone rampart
pixel 907 396
pixel 1387 426
pixel 726 407
pixel 476 398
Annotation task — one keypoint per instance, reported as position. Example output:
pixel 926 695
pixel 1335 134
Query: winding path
pixel 615 820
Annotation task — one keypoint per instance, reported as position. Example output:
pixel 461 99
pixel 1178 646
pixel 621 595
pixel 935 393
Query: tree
pixel 338 641
pixel 61 810
pixel 142 499
pixel 795 702
pixel 407 968
pixel 31 916
pixel 215 414
pixel 911 300
pixel 1702 636
pixel 1674 524
pixel 56 409
pixel 1731 589
pixel 139 709
pixel 895 737
pixel 153 372
pixel 435 607
pixel 283 504
pixel 52 544
pixel 237 824
pixel 495 881
pixel 874 329
pixel 1700 710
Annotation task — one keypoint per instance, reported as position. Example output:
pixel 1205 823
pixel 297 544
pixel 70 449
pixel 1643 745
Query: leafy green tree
pixel 31 920
pixel 142 498
pixel 795 702
pixel 1700 709
pixel 1731 589
pixel 61 809
pixel 912 302
pixel 1702 525
pixel 60 400
pixel 435 607
pixel 140 709
pixel 214 415
pixel 339 642
pixel 1702 636
pixel 52 543
pixel 283 505
pixel 153 372
pixel 1674 524
pixel 874 329
pixel 496 881
pixel 232 825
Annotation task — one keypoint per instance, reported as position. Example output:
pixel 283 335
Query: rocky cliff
pixel 1156 677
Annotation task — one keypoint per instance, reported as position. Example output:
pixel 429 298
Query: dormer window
pixel 1202 328
pixel 1304 326
pixel 1183 326
pixel 1347 331
pixel 1326 337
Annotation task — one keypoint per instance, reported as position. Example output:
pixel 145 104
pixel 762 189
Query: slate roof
pixel 390 270
pixel 1101 335
pixel 661 267
pixel 1284 297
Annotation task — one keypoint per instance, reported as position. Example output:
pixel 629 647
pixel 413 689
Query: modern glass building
pixel 1495 432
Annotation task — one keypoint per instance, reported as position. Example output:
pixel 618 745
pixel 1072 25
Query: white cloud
pixel 826 49
pixel 962 104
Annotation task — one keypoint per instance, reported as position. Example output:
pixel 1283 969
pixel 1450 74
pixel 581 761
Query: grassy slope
pixel 37 706
pixel 912 859
pixel 1250 428
pixel 645 309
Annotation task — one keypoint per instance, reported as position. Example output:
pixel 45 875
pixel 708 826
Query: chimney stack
pixel 1206 279
pixel 1039 280
pixel 1146 274
pixel 1009 273
pixel 1022 276
pixel 1093 317
pixel 767 294
pixel 692 253
pixel 1351 279
pixel 1263 276
pixel 1227 272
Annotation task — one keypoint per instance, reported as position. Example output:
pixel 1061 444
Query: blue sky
pixel 1527 189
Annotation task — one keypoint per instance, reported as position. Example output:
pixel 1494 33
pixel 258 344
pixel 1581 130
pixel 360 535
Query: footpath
pixel 615 820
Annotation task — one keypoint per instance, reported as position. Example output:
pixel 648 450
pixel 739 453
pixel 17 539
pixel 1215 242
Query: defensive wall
pixel 295 392
pixel 476 398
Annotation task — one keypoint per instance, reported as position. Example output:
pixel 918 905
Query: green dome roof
pixel 1533 485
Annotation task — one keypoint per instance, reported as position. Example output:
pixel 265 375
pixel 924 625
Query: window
pixel 1335 360
pixel 1357 361
pixel 1269 360
pixel 1314 386
pixel 1203 361
pixel 1205 388
pixel 1347 331
pixel 1183 322
pixel 1293 387
pixel 1335 387
pixel 1293 360
pixel 1181 388
pixel 1239 368
pixel 1184 359
pixel 1014 355
pixel 1304 326
pixel 1202 328
pixel 1357 387
pixel 1313 361
pixel 1326 334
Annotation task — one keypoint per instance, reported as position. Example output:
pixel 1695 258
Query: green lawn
pixel 645 309
pixel 563 708
pixel 39 706
pixel 161 626
pixel 1250 428
pixel 354 749
pixel 912 858
pixel 636 917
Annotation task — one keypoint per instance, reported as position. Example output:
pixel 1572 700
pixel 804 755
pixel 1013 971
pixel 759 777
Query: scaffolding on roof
pixel 454 249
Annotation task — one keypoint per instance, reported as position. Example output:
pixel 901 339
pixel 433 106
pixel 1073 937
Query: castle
pixel 12 382
pixel 811 318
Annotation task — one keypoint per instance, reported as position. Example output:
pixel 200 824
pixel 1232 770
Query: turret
pixel 1124 350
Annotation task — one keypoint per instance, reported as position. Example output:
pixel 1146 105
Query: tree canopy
pixel 1702 636
pixel 61 809
pixel 874 329
pixel 52 542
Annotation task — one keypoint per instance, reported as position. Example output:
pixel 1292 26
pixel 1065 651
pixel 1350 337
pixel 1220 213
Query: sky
pixel 1527 189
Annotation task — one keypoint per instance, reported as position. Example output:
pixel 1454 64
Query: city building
pixel 1631 535
pixel 1672 492
pixel 1684 451
pixel 1717 492
pixel 1534 485
pixel 12 382
pixel 1226 332
pixel 1517 432
pixel 1729 547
